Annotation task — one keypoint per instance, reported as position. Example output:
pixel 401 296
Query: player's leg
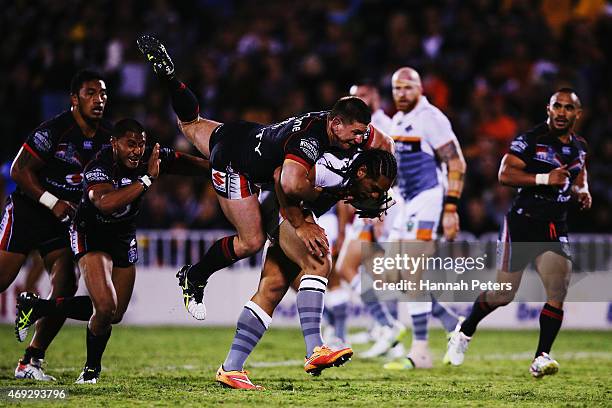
pixel 34 272
pixel 255 318
pixel 245 215
pixel 123 282
pixel 555 271
pixel 185 104
pixel 10 264
pixel 14 245
pixel 97 269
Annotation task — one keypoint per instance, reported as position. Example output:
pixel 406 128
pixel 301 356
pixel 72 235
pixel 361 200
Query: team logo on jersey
pixel 41 140
pixel 310 147
pixel 566 150
pixel 88 144
pixel 408 128
pixel 66 152
pixel 547 154
pixel 519 145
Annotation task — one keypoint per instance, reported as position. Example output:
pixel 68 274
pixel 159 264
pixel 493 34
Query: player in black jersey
pixel 48 172
pixel 244 155
pixel 103 234
pixel 547 165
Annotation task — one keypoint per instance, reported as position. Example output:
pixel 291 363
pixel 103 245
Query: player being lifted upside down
pixel 547 165
pixel 244 156
pixel 288 262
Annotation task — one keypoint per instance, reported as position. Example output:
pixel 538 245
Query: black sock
pixel 220 255
pixel 480 310
pixel 32 352
pixel 550 323
pixel 184 102
pixel 95 348
pixel 73 307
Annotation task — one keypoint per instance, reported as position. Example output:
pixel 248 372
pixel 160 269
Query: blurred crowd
pixel 489 65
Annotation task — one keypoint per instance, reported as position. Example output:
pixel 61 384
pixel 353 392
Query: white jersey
pixel 417 134
pixel 381 121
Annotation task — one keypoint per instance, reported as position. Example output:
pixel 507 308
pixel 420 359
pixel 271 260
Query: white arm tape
pixel 146 180
pixel 48 200
pixel 541 179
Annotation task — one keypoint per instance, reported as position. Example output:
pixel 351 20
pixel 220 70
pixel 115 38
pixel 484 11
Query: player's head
pixel 564 109
pixel 367 91
pixel 407 88
pixel 88 95
pixel 348 121
pixel 371 174
pixel 128 142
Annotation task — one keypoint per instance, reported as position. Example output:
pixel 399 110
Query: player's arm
pixel 580 189
pixel 187 165
pixel 24 171
pixel 107 199
pixel 295 183
pixel 450 153
pixel 382 141
pixel 512 173
pixel 310 233
pixel 345 213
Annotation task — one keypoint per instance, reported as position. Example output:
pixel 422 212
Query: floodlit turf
pixel 176 366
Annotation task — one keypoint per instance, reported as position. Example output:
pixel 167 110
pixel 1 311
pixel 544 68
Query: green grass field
pixel 176 366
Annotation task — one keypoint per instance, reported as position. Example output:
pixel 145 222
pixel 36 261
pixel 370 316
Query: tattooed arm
pixel 450 153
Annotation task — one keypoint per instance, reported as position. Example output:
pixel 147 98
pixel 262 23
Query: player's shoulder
pixel 427 110
pixel 105 126
pixel 56 124
pixel 581 142
pixel 103 159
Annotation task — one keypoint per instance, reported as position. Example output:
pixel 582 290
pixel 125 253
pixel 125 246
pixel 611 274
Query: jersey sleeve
pixel 521 147
pixel 96 173
pixel 41 143
pixel 439 130
pixel 168 156
pixel 303 149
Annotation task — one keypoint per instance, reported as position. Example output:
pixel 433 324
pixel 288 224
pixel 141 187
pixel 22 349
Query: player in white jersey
pixel 288 262
pixel 430 180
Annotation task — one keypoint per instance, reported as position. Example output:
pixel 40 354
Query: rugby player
pixel 547 164
pixel 245 155
pixel 424 144
pixel 103 236
pixel 48 172
pixel 288 262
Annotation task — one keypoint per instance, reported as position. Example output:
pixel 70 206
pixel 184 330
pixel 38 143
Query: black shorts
pixel 122 248
pixel 227 182
pixel 523 238
pixel 27 225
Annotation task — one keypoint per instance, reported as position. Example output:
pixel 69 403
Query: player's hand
pixel 585 200
pixel 153 169
pixel 450 224
pixel 559 177
pixel 314 237
pixel 64 210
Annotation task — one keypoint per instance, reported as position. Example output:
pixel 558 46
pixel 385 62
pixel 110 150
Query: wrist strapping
pixel 541 179
pixel 48 200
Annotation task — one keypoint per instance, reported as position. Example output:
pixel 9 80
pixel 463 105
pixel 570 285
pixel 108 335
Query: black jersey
pixel 256 151
pixel 61 145
pixel 103 169
pixel 544 152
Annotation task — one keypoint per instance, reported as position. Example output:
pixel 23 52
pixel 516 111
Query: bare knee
pixel 251 244
pixel 105 311
pixel 318 266
pixel 117 317
pixel 500 298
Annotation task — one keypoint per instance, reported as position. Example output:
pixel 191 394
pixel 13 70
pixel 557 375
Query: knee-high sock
pixel 252 324
pixel 95 348
pixel 480 310
pixel 310 309
pixel 550 324
pixel 220 255
pixel 336 302
pixel 419 326
pixel 393 309
pixel 73 307
pixel 184 102
pixel 448 319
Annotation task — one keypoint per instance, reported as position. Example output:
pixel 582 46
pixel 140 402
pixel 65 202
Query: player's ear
pixel 74 99
pixel 362 172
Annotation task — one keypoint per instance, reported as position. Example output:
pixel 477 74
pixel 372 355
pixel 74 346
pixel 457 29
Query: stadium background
pixel 489 65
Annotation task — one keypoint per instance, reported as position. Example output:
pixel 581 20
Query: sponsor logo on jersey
pixel 96 175
pixel 547 154
pixel 408 128
pixel 88 144
pixel 42 141
pixel 519 145
pixel 310 147
pixel 566 150
pixel 218 179
pixel 74 179
pixel 126 181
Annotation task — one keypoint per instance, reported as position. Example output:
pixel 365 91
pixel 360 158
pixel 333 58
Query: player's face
pixel 563 112
pixel 345 135
pixel 367 94
pixel 129 149
pixel 367 187
pixel 91 100
pixel 405 94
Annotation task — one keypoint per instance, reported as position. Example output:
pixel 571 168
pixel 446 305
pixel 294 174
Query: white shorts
pixel 418 219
